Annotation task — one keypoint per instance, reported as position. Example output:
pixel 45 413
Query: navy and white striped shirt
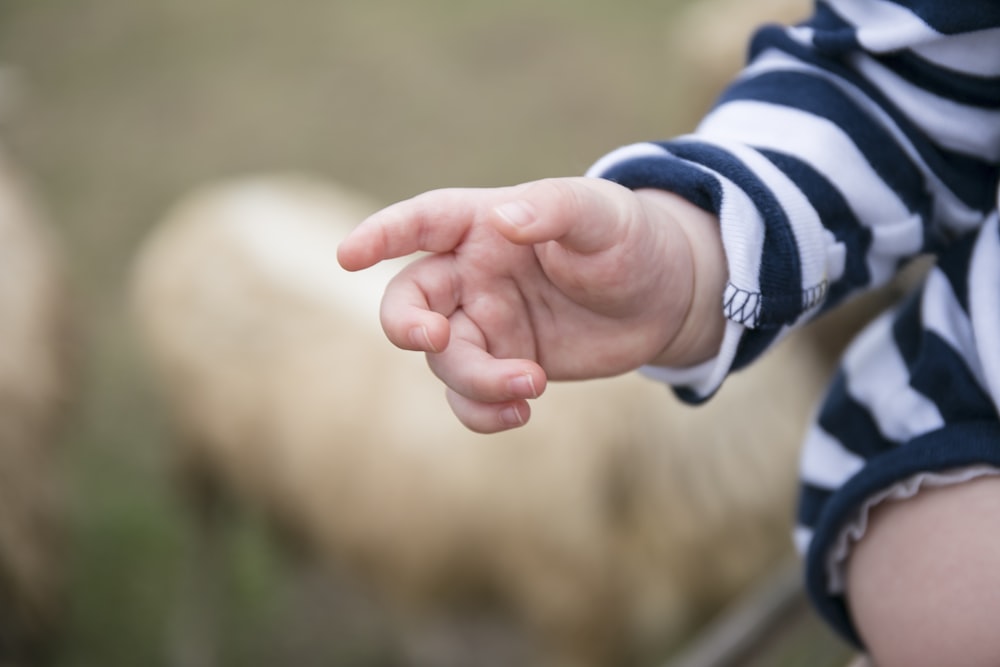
pixel 850 144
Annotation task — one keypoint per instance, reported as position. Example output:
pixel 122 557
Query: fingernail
pixel 511 416
pixel 516 213
pixel 522 386
pixel 419 338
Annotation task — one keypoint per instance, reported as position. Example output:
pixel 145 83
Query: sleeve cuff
pixel 695 384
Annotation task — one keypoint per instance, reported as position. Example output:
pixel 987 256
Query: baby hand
pixel 559 279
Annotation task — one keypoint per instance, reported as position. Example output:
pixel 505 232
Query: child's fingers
pixel 473 373
pixel 435 221
pixel 416 304
pixel 585 215
pixel 468 368
pixel 485 393
pixel 488 417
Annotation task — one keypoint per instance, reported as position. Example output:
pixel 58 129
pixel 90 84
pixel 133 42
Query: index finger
pixel 434 221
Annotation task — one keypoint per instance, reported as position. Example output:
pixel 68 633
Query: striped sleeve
pixel 850 143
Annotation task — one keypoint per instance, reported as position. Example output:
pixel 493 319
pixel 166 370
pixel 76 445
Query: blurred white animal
pixel 606 528
pixel 35 385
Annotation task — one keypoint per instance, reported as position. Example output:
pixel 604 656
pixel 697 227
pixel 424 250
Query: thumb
pixel 584 215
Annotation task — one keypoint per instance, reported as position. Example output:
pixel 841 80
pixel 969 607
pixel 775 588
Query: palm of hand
pixel 578 315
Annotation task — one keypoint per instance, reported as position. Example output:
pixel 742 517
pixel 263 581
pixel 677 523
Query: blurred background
pixel 114 109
